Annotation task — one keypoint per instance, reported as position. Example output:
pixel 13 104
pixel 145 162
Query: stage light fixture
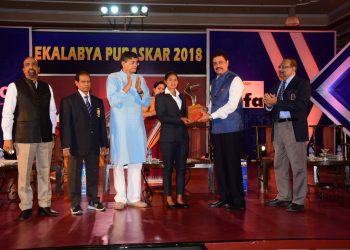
pixel 144 10
pixel 292 19
pixel 262 150
pixel 104 10
pixel 134 10
pixel 114 9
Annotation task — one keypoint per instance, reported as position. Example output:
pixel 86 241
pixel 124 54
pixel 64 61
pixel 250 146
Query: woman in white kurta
pixel 126 93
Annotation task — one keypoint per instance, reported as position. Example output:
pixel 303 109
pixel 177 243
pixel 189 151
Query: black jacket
pixel 80 132
pixel 295 100
pixel 173 128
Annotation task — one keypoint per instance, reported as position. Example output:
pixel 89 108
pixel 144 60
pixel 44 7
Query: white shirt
pixel 235 95
pixel 283 114
pixel 83 96
pixel 176 97
pixel 9 109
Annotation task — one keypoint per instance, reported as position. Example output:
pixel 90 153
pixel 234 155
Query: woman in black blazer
pixel 172 111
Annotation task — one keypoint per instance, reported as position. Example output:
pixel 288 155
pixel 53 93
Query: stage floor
pixel 326 219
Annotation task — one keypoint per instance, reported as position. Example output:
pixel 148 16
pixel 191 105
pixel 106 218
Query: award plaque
pixel 194 112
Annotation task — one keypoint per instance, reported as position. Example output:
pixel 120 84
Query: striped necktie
pixel 282 88
pixel 87 103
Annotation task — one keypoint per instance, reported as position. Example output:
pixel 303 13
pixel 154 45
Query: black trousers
pixel 227 159
pixel 174 153
pixel 74 177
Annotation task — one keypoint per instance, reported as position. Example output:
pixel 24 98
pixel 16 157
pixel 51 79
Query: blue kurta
pixel 127 129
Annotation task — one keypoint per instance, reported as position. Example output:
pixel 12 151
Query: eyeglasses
pixel 284 67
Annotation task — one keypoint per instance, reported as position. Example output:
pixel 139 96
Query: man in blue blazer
pixel 288 106
pixel 84 138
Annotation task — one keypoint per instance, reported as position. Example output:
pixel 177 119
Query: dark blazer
pixel 295 100
pixel 173 129
pixel 80 132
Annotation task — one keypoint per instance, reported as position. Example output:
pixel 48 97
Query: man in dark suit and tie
pixel 84 138
pixel 288 106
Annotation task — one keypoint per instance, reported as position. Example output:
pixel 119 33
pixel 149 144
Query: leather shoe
pixel 182 205
pixel 47 211
pixel 218 204
pixel 293 207
pixel 277 203
pixel 25 214
pixel 174 206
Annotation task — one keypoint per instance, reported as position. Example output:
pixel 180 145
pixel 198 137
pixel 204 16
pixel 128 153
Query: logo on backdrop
pixel 2 94
pixel 253 94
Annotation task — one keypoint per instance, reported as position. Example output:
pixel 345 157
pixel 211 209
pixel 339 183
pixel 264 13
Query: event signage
pixel 65 52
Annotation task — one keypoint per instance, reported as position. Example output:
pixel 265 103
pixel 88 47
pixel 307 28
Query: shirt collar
pixel 83 94
pixel 289 79
pixel 167 91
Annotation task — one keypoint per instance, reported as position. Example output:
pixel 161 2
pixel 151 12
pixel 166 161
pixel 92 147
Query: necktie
pixel 87 103
pixel 282 88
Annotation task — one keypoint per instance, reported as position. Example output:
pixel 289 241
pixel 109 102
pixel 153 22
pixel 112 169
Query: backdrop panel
pixel 15 45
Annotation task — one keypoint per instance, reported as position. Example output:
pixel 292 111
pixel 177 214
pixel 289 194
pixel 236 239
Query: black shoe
pixel 174 206
pixel 77 210
pixel 233 208
pixel 293 207
pixel 277 203
pixel 96 206
pixel 25 214
pixel 182 205
pixel 47 211
pixel 218 204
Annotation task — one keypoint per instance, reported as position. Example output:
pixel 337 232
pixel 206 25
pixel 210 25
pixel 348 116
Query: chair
pixel 264 155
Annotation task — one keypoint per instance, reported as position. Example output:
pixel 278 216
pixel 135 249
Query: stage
pixel 323 225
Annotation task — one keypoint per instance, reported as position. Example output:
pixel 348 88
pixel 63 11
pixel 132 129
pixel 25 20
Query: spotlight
pixel 144 10
pixel 104 10
pixel 262 150
pixel 134 10
pixel 292 19
pixel 114 9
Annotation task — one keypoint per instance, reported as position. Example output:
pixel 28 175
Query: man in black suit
pixel 84 138
pixel 288 106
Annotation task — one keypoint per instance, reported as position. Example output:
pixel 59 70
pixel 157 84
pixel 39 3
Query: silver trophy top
pixel 188 91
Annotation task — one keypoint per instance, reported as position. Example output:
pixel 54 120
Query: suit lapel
pixel 172 101
pixel 291 84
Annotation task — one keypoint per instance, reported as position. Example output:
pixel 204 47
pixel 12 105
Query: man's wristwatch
pixel 140 92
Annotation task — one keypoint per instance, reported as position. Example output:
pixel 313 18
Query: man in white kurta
pixel 126 93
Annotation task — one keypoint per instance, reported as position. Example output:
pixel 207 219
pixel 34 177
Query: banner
pixel 65 52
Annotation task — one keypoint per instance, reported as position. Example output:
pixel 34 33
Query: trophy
pixel 194 112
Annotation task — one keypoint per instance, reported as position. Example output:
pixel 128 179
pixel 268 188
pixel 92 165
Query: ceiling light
pixel 144 10
pixel 104 10
pixel 114 9
pixel 292 20
pixel 134 10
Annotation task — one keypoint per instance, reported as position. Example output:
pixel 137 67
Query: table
pixel 319 163
pixel 146 166
pixel 8 167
